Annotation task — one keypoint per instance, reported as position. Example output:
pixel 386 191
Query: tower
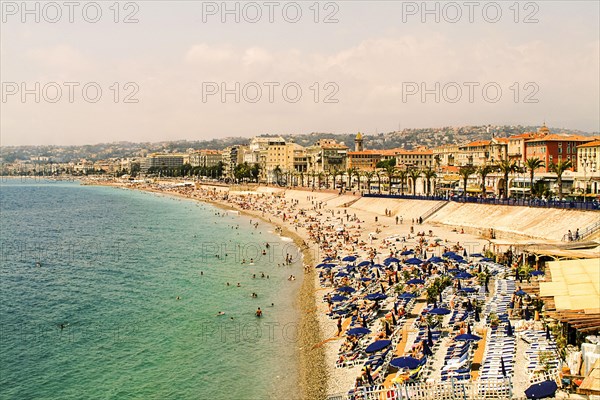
pixel 358 142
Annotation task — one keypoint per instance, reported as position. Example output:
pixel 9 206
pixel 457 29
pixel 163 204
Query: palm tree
pixel 483 172
pixel 429 174
pixel 414 174
pixel 302 179
pixel 378 174
pixel 402 175
pixel 320 179
pixel 358 174
pixel 559 168
pixel 277 173
pixel 532 164
pixel 390 171
pixel 369 175
pixel 326 174
pixel 335 173
pixel 312 175
pixel 507 167
pixel 350 173
pixel 465 172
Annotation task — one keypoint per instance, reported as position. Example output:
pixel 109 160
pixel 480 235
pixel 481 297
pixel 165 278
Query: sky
pixel 155 70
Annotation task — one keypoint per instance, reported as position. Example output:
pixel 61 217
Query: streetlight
pixel 585 164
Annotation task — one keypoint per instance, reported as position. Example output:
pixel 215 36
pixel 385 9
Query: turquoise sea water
pixel 98 317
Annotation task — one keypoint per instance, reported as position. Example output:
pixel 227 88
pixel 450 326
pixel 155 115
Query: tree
pixel 507 167
pixel 335 173
pixel 390 171
pixel 385 163
pixel 402 175
pixel 559 168
pixel 429 174
pixel 369 175
pixel 414 174
pixel 483 172
pixel 532 164
pixel 350 173
pixel 378 174
pixel 277 172
pixel 302 179
pixel 465 172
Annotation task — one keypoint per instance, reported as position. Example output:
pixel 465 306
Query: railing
pixel 449 390
pixel 577 205
pixel 582 235
pixel 433 210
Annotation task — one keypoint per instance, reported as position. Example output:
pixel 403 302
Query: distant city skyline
pixel 386 69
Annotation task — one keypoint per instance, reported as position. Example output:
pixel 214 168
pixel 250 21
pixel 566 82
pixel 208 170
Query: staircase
pixel 589 231
pixel 433 210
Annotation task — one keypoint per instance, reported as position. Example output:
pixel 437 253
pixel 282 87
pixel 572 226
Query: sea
pixel 110 293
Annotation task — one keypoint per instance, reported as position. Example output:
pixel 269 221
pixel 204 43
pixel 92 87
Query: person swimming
pixel 177 298
pixel 259 312
pixel 220 313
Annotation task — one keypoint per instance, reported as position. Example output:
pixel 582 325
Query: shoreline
pixel 312 369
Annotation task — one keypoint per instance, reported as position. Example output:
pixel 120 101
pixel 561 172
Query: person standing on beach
pixel 339 327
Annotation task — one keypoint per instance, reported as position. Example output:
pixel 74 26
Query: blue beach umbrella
pixel 439 311
pixel 349 258
pixel 365 279
pixel 435 260
pixel 463 275
pixel 327 259
pixel 454 271
pixel 449 254
pixel 406 295
pixel 415 282
pixel 477 255
pixel 467 337
pixel 377 346
pixel 486 259
pixel 390 260
pixel 342 274
pixel 469 290
pixel 405 362
pixel 541 390
pixel 346 289
pixel 363 263
pixel 413 261
pixel 357 331
pixel 376 296
pixel 338 297
pixel 536 273
pixel 520 293
pixel 407 252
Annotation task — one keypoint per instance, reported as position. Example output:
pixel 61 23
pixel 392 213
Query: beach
pixel 327 225
pixel 318 343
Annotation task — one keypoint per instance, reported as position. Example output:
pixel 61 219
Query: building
pixel 327 155
pixel 588 167
pixel 206 158
pixel 420 158
pixel 482 152
pixel 358 142
pixel 445 156
pixel 231 157
pixel 162 161
pixel 554 147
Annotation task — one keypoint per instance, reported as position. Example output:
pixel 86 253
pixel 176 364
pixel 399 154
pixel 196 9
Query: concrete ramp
pixel 339 201
pixel 408 209
pixel 546 223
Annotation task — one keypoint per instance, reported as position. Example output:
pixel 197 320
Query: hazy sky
pixel 374 66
